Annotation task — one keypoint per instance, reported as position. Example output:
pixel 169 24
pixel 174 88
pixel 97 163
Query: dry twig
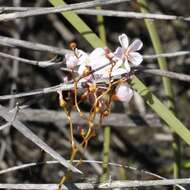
pixel 43 11
pixel 127 14
pixel 110 184
pixel 39 115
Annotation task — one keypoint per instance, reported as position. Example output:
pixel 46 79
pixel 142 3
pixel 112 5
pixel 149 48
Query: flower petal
pixel 81 69
pixel 98 52
pixel 118 71
pixel 124 93
pixel 124 41
pixel 127 66
pixel 104 72
pixel 135 58
pixel 82 57
pixel 99 62
pixel 135 45
pixel 119 52
pixel 71 60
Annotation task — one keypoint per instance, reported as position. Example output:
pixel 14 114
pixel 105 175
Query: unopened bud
pixel 62 103
pixel 105 113
pixel 72 45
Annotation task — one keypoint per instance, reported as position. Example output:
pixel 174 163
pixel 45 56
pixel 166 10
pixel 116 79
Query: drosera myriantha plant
pixel 104 76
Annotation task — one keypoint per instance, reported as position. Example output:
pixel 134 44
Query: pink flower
pixel 123 92
pixel 128 53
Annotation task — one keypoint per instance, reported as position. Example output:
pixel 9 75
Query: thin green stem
pixel 106 153
pixel 107 130
pixel 166 83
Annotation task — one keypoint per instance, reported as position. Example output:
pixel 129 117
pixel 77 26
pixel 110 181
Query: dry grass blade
pixel 34 138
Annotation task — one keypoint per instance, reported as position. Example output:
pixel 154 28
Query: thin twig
pixel 127 14
pixel 112 184
pixel 42 64
pixel 86 154
pixel 167 55
pixel 123 120
pixel 11 42
pixel 53 61
pixel 9 123
pixel 110 13
pixel 62 86
pixel 24 166
pixel 50 10
pixel 69 86
pixel 165 73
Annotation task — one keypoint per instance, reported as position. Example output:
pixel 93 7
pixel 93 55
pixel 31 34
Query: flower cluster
pixel 103 75
pixel 104 63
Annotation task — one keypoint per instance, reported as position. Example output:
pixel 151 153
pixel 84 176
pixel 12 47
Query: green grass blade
pixel 162 111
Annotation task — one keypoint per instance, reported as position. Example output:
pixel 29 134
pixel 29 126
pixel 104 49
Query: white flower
pixel 123 92
pixel 98 59
pixel 93 60
pixel 128 53
pixel 75 58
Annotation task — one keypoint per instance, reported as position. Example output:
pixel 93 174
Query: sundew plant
pixel 98 94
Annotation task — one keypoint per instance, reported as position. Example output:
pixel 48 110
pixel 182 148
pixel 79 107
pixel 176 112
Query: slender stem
pixel 107 130
pixel 106 153
pixel 166 83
